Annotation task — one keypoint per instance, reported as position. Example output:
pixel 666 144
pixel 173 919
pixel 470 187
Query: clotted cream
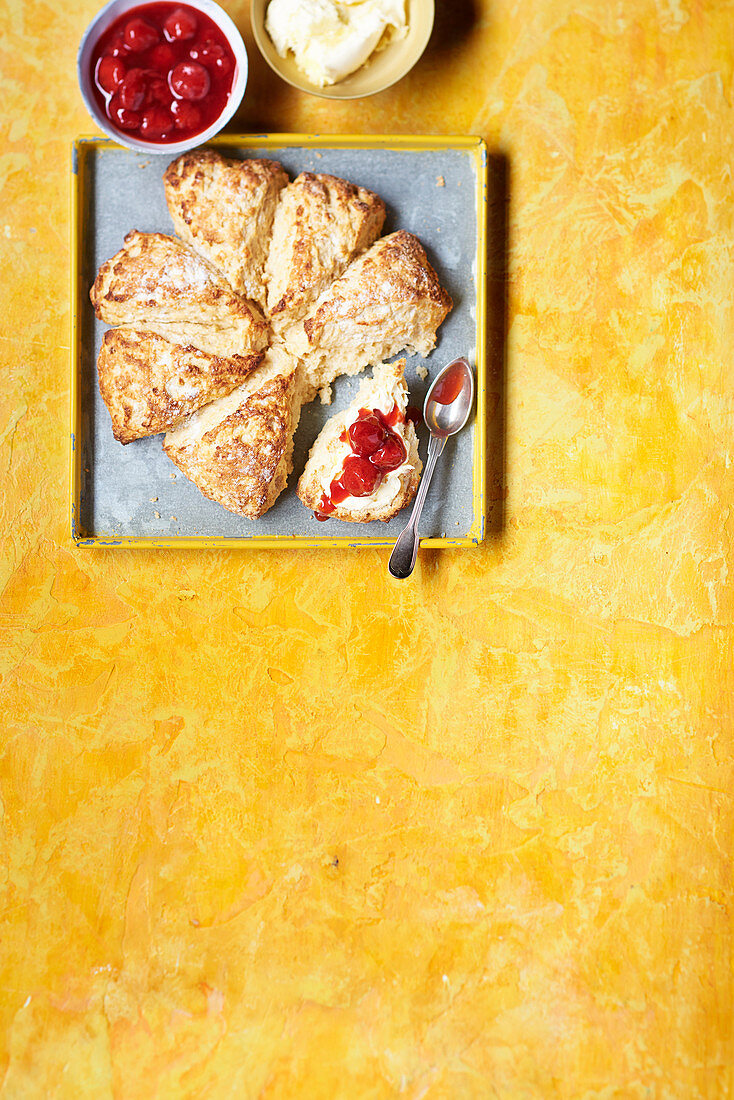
pixel 330 39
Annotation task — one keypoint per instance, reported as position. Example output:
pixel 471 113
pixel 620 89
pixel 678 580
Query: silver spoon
pixel 445 412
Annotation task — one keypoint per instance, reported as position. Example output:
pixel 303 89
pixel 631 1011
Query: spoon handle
pixel 405 551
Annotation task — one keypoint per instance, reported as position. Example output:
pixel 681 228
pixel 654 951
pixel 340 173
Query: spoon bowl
pixel 449 400
pixel 445 412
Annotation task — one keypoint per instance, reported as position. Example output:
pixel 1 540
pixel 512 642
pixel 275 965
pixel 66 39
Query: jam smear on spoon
pixel 450 386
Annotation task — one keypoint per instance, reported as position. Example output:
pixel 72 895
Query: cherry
pixel 186 115
pixel 121 115
pixel 390 455
pixel 117 47
pixel 156 123
pixel 140 35
pixel 213 56
pixel 157 89
pixel 162 57
pixel 366 435
pixel 189 80
pixel 110 73
pixel 180 24
pixel 359 477
pixel 133 90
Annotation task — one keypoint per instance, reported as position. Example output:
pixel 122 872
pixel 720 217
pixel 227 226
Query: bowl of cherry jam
pixel 162 77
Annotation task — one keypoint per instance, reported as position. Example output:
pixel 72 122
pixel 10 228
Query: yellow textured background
pixel 274 827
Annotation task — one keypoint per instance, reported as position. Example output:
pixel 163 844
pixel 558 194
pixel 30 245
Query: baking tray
pixel 436 188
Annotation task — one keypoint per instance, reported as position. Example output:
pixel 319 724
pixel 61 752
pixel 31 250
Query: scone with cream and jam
pixel 364 464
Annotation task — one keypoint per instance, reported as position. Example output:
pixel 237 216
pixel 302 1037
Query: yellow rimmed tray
pixel 435 187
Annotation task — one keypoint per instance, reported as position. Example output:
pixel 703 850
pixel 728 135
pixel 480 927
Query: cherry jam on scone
pixel 376 449
pixel 163 72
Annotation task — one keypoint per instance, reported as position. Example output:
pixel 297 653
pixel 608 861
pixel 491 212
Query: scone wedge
pixel 364 464
pixel 224 209
pixel 148 383
pixel 321 223
pixel 388 300
pixel 238 450
pixel 159 283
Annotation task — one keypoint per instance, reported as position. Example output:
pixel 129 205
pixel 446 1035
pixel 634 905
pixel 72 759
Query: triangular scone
pixel 162 284
pixel 238 450
pixel 224 343
pixel 321 223
pixel 388 300
pixel 148 384
pixel 224 209
pixel 387 392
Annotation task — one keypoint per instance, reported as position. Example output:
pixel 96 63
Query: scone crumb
pixel 153 500
pixel 175 519
pixel 440 181
pixel 422 372
pixel 172 477
pixel 157 515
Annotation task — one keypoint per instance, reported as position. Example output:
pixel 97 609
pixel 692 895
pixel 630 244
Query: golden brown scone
pixel 162 284
pixel 321 223
pixel 148 384
pixel 388 300
pixel 224 209
pixel 238 450
pixel 383 391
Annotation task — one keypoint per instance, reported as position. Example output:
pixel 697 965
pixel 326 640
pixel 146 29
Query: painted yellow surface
pixel 275 827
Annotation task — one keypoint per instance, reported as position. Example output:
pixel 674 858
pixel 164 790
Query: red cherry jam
pixel 450 386
pixel 163 72
pixel 376 449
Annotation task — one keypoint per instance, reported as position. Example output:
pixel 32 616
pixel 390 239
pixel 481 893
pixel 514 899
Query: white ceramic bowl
pixel 103 19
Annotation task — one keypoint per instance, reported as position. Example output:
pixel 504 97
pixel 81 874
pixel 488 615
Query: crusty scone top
pixel 195 181
pixel 156 273
pixel 395 269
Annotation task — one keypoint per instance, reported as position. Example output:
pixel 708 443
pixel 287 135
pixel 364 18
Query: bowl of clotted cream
pixel 342 49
